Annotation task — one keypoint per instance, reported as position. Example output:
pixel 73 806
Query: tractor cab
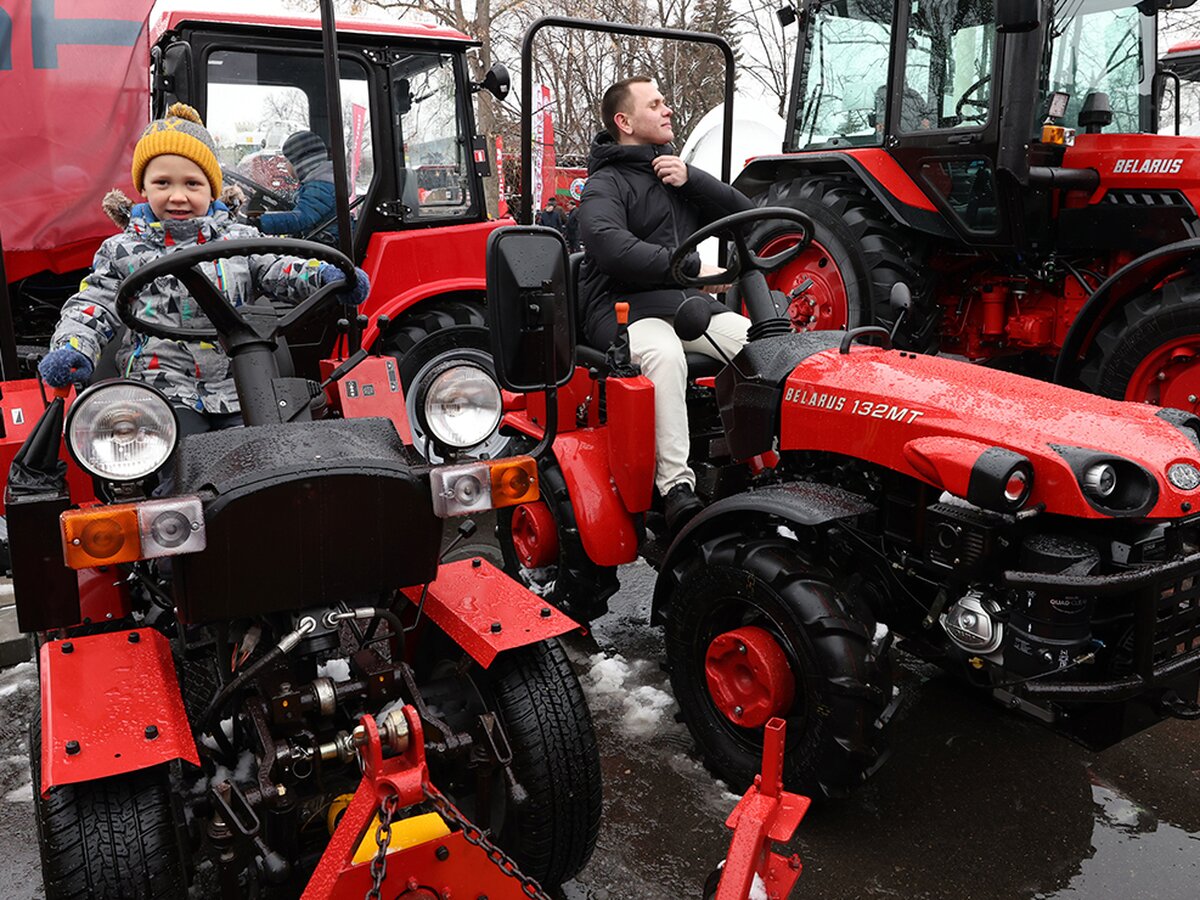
pixel 1179 90
pixel 925 81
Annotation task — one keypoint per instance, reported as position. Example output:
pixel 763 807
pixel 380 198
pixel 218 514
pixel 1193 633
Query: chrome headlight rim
pixel 1100 480
pixel 435 378
pixel 87 399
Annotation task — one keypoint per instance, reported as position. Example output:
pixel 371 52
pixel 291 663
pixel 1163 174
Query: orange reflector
pixel 100 535
pixel 1054 134
pixel 514 481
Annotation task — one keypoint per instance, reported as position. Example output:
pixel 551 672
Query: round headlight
pixel 1100 480
pixel 462 406
pixel 1184 476
pixel 1016 488
pixel 121 430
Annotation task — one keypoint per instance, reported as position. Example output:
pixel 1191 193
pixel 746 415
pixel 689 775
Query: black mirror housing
pixel 497 81
pixel 530 308
pixel 1017 16
pixel 692 318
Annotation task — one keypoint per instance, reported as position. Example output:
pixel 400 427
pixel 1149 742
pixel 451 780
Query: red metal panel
pixel 486 612
pixel 630 404
pixel 21 405
pixel 372 389
pixel 110 704
pixel 1135 162
pixel 579 392
pixel 173 19
pixel 605 527
pixel 103 595
pixel 871 402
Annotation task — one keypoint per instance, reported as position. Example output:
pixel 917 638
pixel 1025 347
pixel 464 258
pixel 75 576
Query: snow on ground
pixel 612 682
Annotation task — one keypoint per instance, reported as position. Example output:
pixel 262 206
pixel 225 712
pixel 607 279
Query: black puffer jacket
pixel 630 224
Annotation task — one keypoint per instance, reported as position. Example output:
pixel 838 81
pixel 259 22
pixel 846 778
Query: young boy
pixel 175 166
pixel 309 160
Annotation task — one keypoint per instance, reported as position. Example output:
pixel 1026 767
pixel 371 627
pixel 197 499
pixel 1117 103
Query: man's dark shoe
pixel 681 504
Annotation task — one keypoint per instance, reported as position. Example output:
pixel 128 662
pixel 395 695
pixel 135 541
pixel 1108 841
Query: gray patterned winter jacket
pixel 197 375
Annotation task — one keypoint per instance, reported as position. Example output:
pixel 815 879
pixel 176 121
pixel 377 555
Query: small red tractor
pixel 420 220
pixel 1042 542
pixel 1000 159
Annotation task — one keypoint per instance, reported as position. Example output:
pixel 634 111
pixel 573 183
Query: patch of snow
pixel 22 794
pixel 784 531
pixel 337 669
pixel 758 890
pixel 644 708
pixel 615 682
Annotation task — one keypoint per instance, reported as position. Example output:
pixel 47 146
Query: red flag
pixel 502 203
pixel 76 87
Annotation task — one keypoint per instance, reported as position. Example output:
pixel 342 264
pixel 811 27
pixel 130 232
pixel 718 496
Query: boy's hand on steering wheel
pixel 327 273
pixel 671 170
pixel 65 366
pixel 705 271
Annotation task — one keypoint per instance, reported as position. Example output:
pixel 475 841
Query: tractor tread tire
pixel 850 681
pixel 847 216
pixel 555 759
pixel 111 838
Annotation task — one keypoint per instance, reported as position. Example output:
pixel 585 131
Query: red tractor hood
pixel 945 422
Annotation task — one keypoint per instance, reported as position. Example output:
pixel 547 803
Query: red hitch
pixel 767 814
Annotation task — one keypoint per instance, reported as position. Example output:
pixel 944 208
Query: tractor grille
pixel 1177 621
pixel 1147 198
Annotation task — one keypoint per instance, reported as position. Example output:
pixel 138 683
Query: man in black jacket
pixel 639 204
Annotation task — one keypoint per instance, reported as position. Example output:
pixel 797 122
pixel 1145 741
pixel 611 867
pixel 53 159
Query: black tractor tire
pixel 862 240
pixel 1135 332
pixel 439 330
pixel 837 724
pixel 110 839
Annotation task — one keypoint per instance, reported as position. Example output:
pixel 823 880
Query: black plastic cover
pixel 304 515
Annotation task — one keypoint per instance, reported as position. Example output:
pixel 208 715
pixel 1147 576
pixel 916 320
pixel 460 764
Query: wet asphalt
pixel 974 802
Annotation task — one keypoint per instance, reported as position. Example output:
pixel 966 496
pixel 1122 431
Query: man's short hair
pixel 616 99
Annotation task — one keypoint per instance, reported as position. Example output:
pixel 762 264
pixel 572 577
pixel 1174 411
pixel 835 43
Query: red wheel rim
pixel 748 676
pixel 534 535
pixel 1169 376
pixel 824 306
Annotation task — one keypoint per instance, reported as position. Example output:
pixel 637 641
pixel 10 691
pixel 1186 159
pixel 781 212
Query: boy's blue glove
pixel 64 366
pixel 327 273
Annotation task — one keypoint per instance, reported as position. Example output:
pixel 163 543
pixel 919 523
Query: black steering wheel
pixel 226 320
pixel 981 108
pixel 737 226
pixel 255 190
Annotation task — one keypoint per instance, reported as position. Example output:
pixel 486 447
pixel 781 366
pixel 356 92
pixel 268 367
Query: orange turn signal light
pixel 514 481
pixel 101 536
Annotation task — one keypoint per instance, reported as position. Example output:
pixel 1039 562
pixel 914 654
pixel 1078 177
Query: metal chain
pixel 383 837
pixel 475 836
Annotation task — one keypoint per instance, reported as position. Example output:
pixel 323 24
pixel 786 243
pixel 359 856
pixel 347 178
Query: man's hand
pixel 705 271
pixel 671 170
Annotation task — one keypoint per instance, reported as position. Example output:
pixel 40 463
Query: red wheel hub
pixel 1169 376
pixel 748 676
pixel 534 535
pixel 821 307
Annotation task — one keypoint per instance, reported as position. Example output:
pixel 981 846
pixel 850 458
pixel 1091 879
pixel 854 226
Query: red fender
pixel 110 704
pixel 605 526
pixel 485 612
pixel 631 439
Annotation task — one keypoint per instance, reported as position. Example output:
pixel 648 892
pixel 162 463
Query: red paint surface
pixel 1169 376
pixel 371 389
pixel 175 18
pixel 748 676
pixel 535 535
pixel 21 405
pixel 605 527
pixel 466 600
pixel 103 595
pixel 824 305
pixel 104 694
pixel 993 408
pixel 1102 152
pixel 630 404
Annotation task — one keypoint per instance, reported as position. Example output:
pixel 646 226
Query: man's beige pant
pixel 656 348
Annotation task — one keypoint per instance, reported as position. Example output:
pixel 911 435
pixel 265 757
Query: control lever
pixel 382 324
pixel 360 328
pixel 619 357
pixel 343 329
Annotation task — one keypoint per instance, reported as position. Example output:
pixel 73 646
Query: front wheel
pixel 753 633
pixel 1150 351
pixel 110 839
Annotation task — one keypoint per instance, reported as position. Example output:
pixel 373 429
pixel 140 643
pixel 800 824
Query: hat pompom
pixel 183 111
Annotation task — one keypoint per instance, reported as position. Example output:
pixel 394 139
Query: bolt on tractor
pixel 1041 542
pixel 408 138
pixel 1001 159
pixel 254 675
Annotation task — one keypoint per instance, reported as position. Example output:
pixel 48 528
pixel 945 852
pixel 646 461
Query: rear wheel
pixel 753 633
pixel 1150 351
pixel 424 340
pixel 855 258
pixel 112 838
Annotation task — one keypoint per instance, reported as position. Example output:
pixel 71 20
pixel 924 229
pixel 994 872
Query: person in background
pixel 308 158
pixel 550 217
pixel 571 229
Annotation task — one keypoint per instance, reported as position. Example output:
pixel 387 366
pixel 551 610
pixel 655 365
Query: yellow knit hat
pixel 181 133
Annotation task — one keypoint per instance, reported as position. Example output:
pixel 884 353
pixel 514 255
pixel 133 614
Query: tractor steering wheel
pixel 255 191
pixel 737 227
pixel 225 319
pixel 966 99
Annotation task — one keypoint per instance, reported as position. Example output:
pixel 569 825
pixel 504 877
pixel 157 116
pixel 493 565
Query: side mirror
pixel 1016 16
pixel 692 318
pixel 173 81
pixel 530 308
pixel 496 82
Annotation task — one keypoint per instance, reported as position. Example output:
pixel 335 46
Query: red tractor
pixel 408 128
pixel 1001 160
pixel 1180 67
pixel 1041 542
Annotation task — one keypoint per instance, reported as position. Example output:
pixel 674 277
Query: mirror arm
pixel 543 301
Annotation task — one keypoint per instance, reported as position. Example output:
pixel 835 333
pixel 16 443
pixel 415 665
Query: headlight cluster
pixel 1111 484
pixel 461 405
pixel 121 430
